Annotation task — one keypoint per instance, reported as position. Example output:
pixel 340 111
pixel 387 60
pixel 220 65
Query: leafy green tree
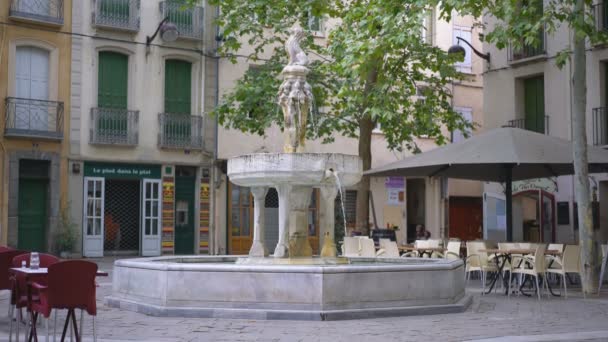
pixel 370 70
pixel 523 23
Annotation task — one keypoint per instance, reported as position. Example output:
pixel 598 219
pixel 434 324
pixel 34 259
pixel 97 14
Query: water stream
pixel 339 185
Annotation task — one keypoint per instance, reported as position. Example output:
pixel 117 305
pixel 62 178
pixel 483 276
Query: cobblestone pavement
pixel 490 318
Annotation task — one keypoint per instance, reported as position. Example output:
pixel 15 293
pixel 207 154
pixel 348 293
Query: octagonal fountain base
pixel 346 288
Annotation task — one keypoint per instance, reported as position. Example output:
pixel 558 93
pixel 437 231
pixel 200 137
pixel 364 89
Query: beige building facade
pixel 397 202
pixel 141 146
pixel 35 94
pixel 524 88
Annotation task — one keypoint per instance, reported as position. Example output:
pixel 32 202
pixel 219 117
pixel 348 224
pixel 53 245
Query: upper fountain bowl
pixel 308 169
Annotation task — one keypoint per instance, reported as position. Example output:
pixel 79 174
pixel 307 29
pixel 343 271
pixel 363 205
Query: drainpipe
pixel 213 231
pixel 3 231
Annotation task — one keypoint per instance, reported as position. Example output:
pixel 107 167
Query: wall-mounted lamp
pixel 458 49
pixel 168 32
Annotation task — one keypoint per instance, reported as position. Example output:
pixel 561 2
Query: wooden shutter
pixel 178 77
pixel 112 80
pixel 535 104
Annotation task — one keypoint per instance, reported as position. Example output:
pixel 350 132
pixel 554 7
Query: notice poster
pixel 395 189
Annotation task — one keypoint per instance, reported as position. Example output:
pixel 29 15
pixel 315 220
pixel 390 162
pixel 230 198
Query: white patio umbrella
pixel 499 155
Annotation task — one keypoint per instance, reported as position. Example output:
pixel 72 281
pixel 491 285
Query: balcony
pixel 114 126
pixel 600 126
pixel 121 15
pixel 600 11
pixel 543 127
pixel 527 51
pixel 180 131
pixel 29 118
pixel 39 11
pixel 189 20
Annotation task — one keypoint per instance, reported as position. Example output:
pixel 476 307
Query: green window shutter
pixel 113 78
pixel 178 77
pixel 118 9
pixel 535 104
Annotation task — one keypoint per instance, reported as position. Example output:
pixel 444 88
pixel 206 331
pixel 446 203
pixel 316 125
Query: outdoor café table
pixel 421 250
pixel 504 255
pixel 41 272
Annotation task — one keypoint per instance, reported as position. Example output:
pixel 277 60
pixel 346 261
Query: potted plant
pixel 67 234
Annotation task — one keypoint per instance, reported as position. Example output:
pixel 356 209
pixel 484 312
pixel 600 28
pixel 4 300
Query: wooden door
pixel 240 219
pixel 466 218
pixel 313 221
pixel 32 214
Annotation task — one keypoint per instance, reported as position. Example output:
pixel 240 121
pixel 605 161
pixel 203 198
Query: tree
pixel 519 23
pixel 369 72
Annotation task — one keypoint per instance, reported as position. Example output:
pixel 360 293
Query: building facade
pixel 396 202
pixel 35 95
pixel 141 147
pixel 524 88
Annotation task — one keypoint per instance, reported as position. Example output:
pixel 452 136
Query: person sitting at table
pixel 422 233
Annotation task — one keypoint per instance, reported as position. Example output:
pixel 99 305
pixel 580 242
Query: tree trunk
pixel 366 125
pixel 581 172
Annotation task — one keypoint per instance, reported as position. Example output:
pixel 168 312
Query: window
pixel 314 23
pixel 31 82
pixel 464 33
pixel 428 27
pixel 112 85
pixel 467 114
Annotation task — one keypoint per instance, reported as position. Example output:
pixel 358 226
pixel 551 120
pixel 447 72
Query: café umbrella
pixel 501 155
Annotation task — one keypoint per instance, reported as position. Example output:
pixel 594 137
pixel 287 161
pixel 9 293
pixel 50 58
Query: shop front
pixel 122 209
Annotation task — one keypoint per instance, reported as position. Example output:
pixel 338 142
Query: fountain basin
pixel 217 286
pixel 306 169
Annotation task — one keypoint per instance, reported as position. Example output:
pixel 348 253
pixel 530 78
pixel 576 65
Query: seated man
pixel 422 233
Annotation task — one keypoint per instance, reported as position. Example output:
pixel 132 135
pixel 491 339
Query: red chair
pixel 19 298
pixel 70 285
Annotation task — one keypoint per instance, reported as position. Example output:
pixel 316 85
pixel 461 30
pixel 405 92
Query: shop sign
pixel 545 184
pixel 130 171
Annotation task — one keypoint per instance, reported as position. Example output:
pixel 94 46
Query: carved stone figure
pixel 295 94
pixel 296 55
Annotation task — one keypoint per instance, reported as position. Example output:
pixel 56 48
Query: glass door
pixel 547 214
pixel 494 217
pixel 93 229
pixel 151 209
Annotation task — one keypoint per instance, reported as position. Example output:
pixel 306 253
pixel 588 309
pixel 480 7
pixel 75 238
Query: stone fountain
pixel 292 284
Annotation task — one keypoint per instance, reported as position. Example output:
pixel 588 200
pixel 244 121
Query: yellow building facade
pixel 35 60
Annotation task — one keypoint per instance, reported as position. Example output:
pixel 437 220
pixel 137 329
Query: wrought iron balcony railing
pixel 29 118
pixel 117 14
pixel 43 11
pixel 600 126
pixel 189 20
pixel 600 11
pixel 114 126
pixel 539 127
pixel 180 131
pixel 527 50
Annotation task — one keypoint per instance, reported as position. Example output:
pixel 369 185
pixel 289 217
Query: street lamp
pixel 168 32
pixel 457 49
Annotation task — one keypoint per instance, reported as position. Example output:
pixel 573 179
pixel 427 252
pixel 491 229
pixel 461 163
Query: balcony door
pixel 178 84
pixel 112 90
pixel 32 83
pixel 534 106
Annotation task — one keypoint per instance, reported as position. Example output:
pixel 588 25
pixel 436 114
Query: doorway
pixel 416 211
pixel 185 183
pixel 32 205
pixel 121 217
pixel 466 218
pixel 534 216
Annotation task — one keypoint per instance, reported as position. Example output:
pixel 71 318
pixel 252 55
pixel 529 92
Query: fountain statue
pixel 295 94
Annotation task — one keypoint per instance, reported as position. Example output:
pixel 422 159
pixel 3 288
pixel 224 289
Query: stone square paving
pixel 489 318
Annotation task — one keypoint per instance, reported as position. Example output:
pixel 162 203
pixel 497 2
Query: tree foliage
pixel 379 38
